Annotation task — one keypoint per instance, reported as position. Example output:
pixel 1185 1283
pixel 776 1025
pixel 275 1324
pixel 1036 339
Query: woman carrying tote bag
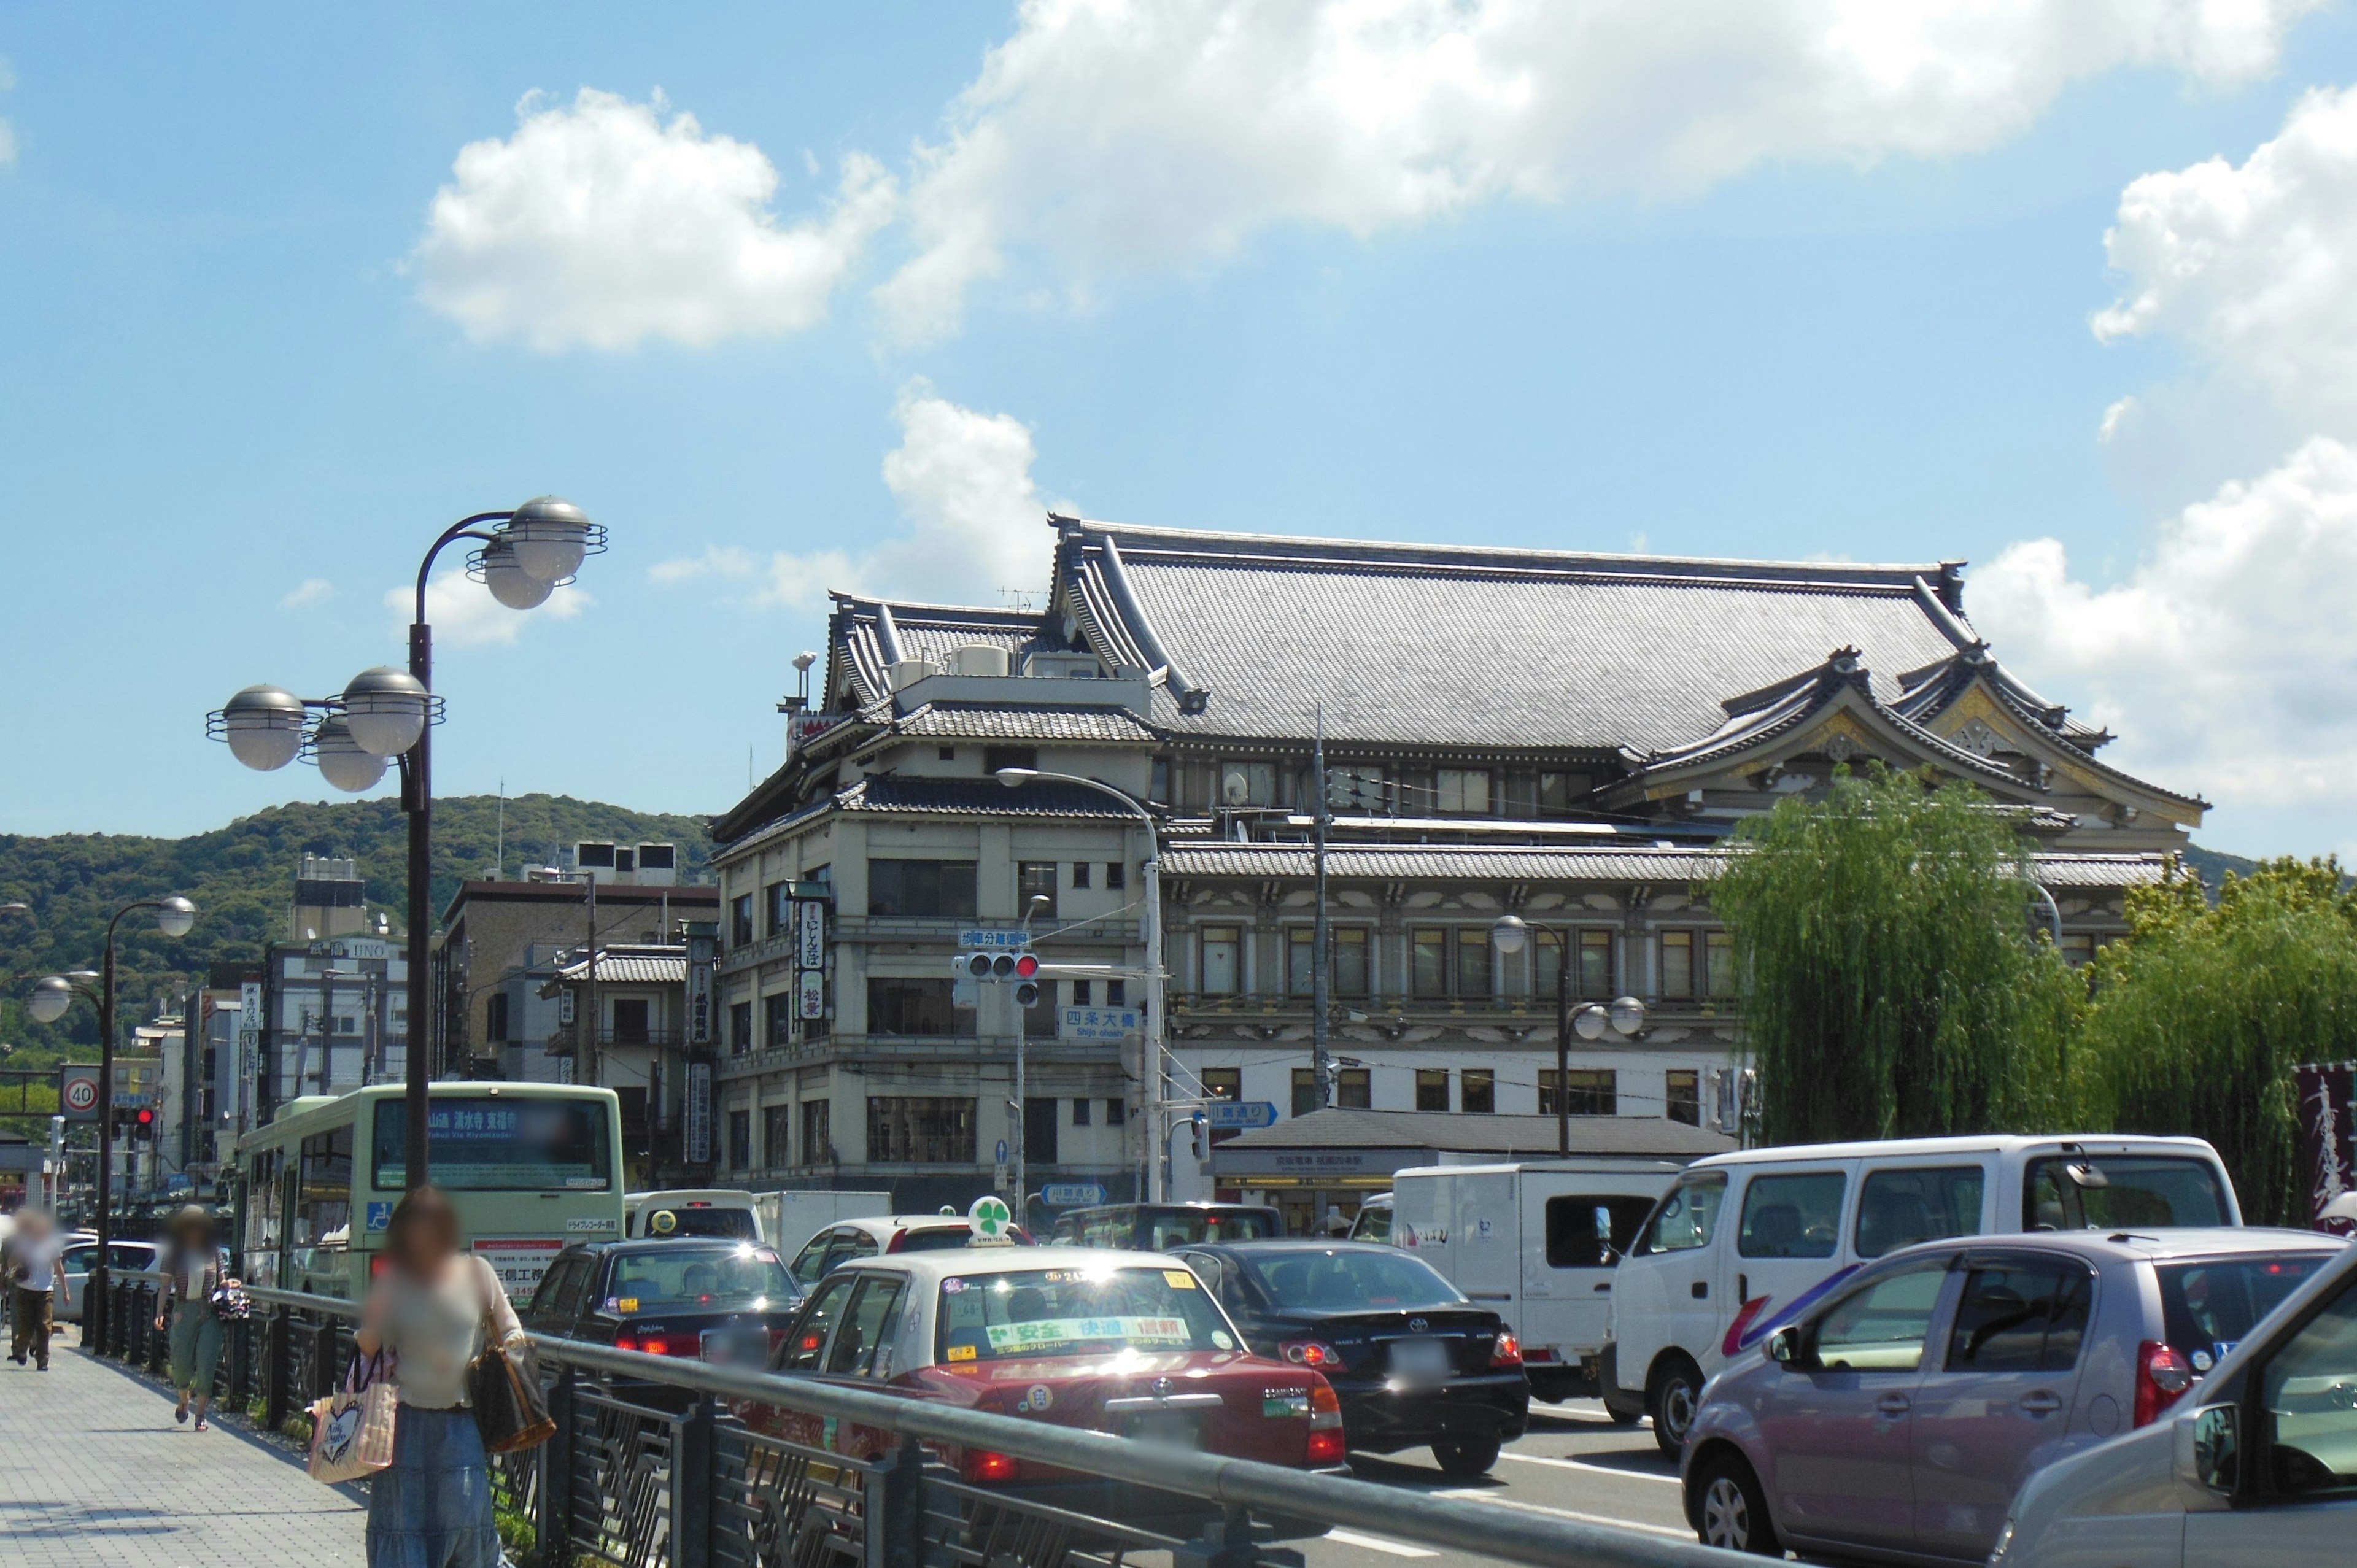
pixel 433 1307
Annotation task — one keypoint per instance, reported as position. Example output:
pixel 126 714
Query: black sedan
pixel 1414 1361
pixel 715 1300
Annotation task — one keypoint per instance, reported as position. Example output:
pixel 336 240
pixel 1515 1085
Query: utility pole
pixel 1321 1067
pixel 596 1074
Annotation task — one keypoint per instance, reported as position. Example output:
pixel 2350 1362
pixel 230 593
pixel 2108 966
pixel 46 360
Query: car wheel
pixel 1671 1399
pixel 1728 1508
pixel 1622 1417
pixel 1467 1458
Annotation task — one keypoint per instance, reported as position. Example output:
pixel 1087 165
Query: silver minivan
pixel 1896 1420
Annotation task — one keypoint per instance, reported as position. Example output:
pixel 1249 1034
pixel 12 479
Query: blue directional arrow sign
pixel 1240 1113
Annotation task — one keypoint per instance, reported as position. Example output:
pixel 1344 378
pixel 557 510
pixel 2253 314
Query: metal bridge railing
pixel 654 1471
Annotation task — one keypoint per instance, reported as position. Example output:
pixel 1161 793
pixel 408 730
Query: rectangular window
pixel 916 1007
pixel 1081 990
pixel 1116 1112
pixel 1035 879
pixel 1592 1232
pixel 1560 794
pixel 1463 792
pixel 1247 784
pixel 1081 1111
pixel 481 1144
pixel 1158 788
pixel 1719 955
pixel 1596 965
pixel 995 757
pixel 781 1009
pixel 1349 973
pixel 948 754
pixel 1081 869
pixel 1300 961
pixel 323 1201
pixel 740 920
pixel 1477 1090
pixel 929 887
pixel 1897 1208
pixel 1428 972
pixel 782 909
pixel 1677 963
pixel 777 1132
pixel 740 1028
pixel 1305 1091
pixel 1594 1091
pixel 1792 1216
pixel 1546 963
pixel 1223 949
pixel 740 1140
pixel 1682 1089
pixel 920 1130
pixel 1039 1125
pixel 1116 993
pixel 2078 948
pixel 818 1132
pixel 1352 1088
pixel 1222 1083
pixel 1117 876
pixel 1473 962
pixel 1687 1216
pixel 495 1021
pixel 1432 1088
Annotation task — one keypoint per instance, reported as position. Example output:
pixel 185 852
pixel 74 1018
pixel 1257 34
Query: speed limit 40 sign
pixel 78 1091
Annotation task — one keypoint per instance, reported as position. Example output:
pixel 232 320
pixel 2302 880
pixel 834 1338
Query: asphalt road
pixel 1574 1464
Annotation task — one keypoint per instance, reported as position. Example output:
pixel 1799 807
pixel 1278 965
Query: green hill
pixel 2212 866
pixel 241 879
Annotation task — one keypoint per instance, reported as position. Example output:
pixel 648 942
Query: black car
pixel 1166 1227
pixel 714 1300
pixel 1414 1361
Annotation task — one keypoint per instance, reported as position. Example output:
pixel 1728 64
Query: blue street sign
pixel 1002 1151
pixel 1240 1113
pixel 1072 1194
pixel 979 939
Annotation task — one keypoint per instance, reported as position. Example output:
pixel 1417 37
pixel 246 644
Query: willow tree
pixel 2201 1015
pixel 1893 987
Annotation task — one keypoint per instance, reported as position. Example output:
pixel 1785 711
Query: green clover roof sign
pixel 991 1219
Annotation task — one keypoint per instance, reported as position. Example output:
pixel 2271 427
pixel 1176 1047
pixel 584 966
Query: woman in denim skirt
pixel 432 1308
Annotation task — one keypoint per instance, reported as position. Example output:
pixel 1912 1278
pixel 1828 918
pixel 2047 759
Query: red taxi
pixel 1128 1343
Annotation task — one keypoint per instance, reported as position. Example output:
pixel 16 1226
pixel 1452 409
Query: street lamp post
pixel 51 996
pixel 1156 1177
pixel 384 712
pixel 1590 1019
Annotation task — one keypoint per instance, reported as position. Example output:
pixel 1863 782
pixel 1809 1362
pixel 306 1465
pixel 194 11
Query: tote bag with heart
pixel 352 1429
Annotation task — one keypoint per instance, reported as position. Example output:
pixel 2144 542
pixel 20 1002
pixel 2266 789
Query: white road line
pixel 1377 1543
pixel 1584 1465
pixel 1478 1494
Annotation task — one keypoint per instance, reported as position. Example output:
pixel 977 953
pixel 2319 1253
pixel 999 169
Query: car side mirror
pixel 1785 1347
pixel 2208 1448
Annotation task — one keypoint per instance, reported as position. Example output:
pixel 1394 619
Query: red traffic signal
pixel 1025 965
pixel 146 1117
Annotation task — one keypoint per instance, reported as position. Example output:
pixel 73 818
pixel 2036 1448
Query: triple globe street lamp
pixel 385 714
pixel 1589 1020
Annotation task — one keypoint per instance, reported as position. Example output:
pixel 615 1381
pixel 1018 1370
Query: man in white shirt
pixel 37 1270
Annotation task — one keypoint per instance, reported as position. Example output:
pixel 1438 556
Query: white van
pixel 788 1219
pixel 1744 1241
pixel 1535 1242
pixel 694 1212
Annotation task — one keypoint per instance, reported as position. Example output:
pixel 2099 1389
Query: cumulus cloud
pixel 311 591
pixel 464 615
pixel 2224 660
pixel 974 520
pixel 1114 135
pixel 2256 265
pixel 603 223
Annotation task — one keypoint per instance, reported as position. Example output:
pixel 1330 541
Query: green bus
pixel 531 1167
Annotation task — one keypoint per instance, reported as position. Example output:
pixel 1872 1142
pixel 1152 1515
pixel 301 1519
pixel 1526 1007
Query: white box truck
pixel 790 1219
pixel 1536 1241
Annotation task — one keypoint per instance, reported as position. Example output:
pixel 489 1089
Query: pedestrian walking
pixel 192 1260
pixel 36 1271
pixel 434 1308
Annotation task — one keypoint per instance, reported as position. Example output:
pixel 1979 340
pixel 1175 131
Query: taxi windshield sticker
pixel 963 1352
pixel 1004 1337
pixel 1178 1279
pixel 621 1303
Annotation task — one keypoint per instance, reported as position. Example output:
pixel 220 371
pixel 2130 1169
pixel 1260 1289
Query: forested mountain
pixel 241 879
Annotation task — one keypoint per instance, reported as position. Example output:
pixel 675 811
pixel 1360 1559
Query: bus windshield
pixel 487 1144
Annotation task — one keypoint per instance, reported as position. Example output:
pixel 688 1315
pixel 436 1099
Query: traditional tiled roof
pixel 631 966
pixel 867 636
pixel 1621 863
pixel 962 721
pixel 975 798
pixel 1336 1127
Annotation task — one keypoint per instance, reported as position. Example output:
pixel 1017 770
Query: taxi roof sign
pixel 993 1221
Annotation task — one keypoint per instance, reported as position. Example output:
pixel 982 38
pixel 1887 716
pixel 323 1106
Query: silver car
pixel 81 1253
pixel 1894 1419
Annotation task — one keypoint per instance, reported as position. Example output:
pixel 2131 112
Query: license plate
pixel 1420 1357
pixel 735 1347
pixel 1167 1430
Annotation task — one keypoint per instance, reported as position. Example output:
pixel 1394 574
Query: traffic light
pixel 1021 969
pixel 143 1123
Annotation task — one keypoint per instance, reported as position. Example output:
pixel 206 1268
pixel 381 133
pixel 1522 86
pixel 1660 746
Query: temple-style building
pixel 1568 737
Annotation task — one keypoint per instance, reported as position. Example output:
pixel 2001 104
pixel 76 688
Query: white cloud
pixel 464 615
pixel 1113 136
pixel 2256 266
pixel 311 591
pixel 605 224
pixel 2224 660
pixel 2120 417
pixel 976 523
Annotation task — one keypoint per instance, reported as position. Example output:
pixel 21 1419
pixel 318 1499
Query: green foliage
pixel 242 880
pixel 1894 987
pixel 2200 1016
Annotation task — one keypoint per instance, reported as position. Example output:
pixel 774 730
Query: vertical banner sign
pixel 699 991
pixel 249 1029
pixel 810 959
pixel 698 1120
pixel 2327 1143
pixel 810 987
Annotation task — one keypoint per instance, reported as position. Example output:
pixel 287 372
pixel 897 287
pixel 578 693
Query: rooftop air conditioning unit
pixel 658 865
pixel 907 673
pixel 978 659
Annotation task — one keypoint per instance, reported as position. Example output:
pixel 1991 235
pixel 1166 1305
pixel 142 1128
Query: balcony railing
pixel 1380 1007
pixel 566 1038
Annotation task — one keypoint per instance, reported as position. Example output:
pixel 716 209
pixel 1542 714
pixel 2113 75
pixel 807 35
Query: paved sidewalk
pixel 94 1473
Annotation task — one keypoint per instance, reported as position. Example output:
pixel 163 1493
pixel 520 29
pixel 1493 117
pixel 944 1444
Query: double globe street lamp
pixel 385 714
pixel 1590 1020
pixel 52 994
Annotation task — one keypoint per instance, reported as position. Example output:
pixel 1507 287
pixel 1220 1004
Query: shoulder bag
pixel 503 1387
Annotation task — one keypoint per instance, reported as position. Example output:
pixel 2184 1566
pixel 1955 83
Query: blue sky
pixel 1600 290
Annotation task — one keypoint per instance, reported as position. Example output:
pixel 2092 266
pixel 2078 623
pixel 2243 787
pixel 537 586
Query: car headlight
pixel 2004 1541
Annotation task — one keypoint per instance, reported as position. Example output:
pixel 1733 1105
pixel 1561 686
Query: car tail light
pixel 1325 1424
pixel 982 1464
pixel 1310 1353
pixel 2162 1378
pixel 1506 1352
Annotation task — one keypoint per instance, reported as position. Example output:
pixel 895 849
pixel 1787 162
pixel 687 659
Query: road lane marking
pixel 1479 1494
pixel 1377 1543
pixel 1584 1465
